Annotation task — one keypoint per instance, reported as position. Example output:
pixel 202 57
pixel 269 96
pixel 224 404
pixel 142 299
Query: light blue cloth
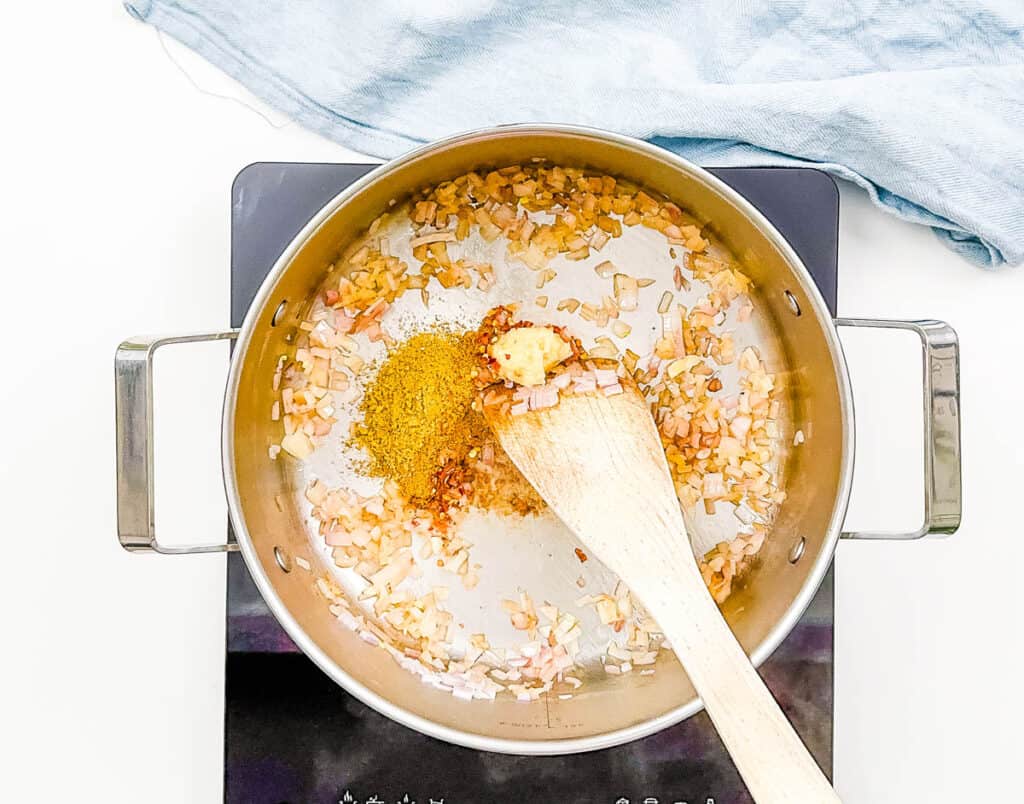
pixel 920 103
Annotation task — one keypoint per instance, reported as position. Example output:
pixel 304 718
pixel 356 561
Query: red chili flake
pixel 580 555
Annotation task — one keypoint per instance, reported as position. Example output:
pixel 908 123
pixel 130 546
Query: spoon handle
pixel 773 761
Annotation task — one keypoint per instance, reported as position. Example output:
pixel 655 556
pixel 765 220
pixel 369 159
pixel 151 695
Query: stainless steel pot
pixel 607 710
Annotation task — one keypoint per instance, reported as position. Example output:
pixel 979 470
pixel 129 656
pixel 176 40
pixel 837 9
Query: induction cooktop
pixel 293 735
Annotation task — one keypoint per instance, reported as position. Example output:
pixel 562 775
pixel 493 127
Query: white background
pixel 114 213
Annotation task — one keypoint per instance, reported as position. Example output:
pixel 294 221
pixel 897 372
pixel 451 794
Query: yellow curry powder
pixel 417 412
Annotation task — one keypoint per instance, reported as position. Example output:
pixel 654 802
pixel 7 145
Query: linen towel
pixel 920 103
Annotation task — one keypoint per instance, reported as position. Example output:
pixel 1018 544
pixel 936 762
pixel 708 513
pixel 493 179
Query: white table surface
pixel 115 219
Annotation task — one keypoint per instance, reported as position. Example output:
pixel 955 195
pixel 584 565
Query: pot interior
pixel 271 517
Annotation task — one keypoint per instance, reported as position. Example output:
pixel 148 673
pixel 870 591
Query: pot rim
pixel 378 702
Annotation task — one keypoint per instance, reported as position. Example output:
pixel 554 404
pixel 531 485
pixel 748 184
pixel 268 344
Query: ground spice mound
pixel 417 411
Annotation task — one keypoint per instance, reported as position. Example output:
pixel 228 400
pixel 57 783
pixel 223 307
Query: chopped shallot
pixel 626 292
pixel 720 446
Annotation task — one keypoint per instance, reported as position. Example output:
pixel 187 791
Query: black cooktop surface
pixel 292 735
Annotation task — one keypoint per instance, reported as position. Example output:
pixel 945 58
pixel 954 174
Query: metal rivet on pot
pixel 797 551
pixel 794 305
pixel 281 557
pixel 278 315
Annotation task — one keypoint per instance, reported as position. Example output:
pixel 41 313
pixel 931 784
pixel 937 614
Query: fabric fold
pixel 919 103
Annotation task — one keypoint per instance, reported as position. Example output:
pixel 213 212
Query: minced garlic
pixel 525 354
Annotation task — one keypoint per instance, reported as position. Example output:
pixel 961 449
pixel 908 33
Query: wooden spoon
pixel 599 463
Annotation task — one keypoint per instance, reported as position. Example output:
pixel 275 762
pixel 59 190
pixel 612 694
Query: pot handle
pixel 133 399
pixel 943 499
